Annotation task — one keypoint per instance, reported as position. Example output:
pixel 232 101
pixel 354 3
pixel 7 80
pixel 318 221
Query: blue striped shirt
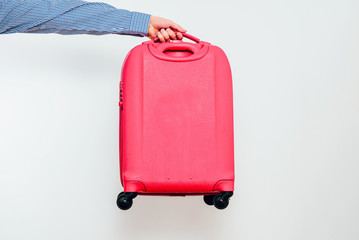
pixel 69 17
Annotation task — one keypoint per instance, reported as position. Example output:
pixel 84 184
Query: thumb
pixel 177 27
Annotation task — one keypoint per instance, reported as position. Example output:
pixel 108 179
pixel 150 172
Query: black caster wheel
pixel 221 200
pixel 208 199
pixel 121 194
pixel 125 200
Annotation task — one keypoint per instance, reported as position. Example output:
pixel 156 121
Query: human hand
pixel 163 29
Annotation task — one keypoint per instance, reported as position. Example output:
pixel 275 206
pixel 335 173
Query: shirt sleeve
pixel 69 17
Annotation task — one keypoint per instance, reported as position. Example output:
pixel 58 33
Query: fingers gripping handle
pixel 186 35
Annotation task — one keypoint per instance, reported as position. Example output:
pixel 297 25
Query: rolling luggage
pixel 176 122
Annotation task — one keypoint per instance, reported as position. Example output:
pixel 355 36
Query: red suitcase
pixel 176 122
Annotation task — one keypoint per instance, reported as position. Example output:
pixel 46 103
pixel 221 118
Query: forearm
pixel 69 17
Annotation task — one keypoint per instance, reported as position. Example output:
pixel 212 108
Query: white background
pixel 296 79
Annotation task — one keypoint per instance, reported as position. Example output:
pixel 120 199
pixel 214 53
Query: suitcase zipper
pixel 121 95
pixel 121 130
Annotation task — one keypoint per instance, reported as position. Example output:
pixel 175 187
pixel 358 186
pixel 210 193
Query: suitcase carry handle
pixel 186 35
pixel 177 50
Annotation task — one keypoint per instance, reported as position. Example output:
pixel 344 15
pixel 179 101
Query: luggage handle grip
pixel 186 35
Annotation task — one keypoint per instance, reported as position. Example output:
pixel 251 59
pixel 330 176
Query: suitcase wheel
pixel 125 200
pixel 220 201
pixel 208 199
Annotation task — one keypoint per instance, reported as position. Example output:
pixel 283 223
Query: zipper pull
pixel 121 95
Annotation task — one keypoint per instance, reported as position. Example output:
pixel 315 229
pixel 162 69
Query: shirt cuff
pixel 139 23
